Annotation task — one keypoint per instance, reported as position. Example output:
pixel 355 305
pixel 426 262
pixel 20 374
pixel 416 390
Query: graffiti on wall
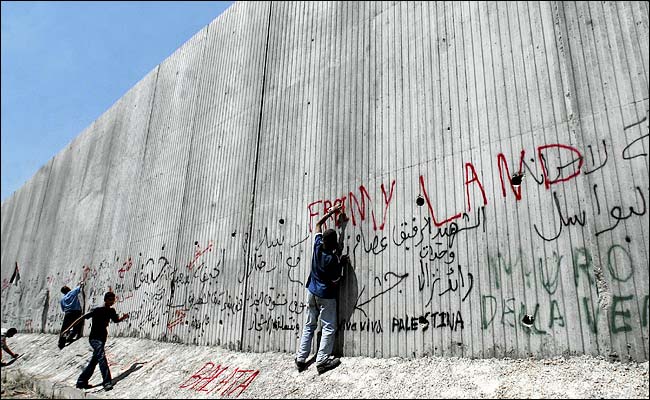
pixel 189 297
pixel 220 379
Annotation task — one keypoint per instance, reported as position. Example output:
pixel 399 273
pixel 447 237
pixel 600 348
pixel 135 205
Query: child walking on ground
pixel 97 338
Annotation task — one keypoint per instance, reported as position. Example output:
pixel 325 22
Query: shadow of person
pixel 136 366
pixel 347 301
pixel 13 360
pixel 347 295
pixel 70 341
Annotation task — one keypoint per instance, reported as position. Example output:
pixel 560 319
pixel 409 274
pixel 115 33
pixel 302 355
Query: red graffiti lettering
pixel 501 160
pixel 361 209
pixel 548 182
pixel 358 210
pixel 469 166
pixel 197 377
pixel 126 266
pixel 238 379
pixel 433 216
pixel 240 385
pixel 198 253
pixel 387 200
pixel 312 213
pixel 180 317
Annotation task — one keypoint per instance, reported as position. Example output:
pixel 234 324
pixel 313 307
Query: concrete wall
pixel 195 195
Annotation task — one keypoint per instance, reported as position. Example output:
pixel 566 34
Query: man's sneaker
pixel 108 386
pixel 83 386
pixel 329 363
pixel 301 365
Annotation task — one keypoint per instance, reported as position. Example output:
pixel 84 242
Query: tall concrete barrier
pixel 491 158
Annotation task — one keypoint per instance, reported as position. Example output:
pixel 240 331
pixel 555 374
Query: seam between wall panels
pixel 255 169
pixel 105 189
pixel 146 147
pixel 47 184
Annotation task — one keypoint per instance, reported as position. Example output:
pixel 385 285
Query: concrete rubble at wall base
pixel 147 369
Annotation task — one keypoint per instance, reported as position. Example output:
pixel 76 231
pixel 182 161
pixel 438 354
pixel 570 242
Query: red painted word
pixel 180 317
pixel 87 271
pixel 356 210
pixel 198 253
pixel 126 266
pixel 110 359
pixel 471 177
pixel 119 298
pixel 209 379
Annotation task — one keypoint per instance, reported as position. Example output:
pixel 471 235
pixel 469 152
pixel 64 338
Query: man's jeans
pixel 68 319
pixel 327 310
pixel 98 357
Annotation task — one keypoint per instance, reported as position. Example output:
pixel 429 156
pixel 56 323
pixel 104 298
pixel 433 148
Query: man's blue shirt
pixel 70 301
pixel 325 270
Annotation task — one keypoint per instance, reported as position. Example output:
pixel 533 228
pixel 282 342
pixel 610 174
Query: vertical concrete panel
pixel 610 124
pixel 22 217
pixel 271 318
pixel 85 215
pixel 625 174
pixel 56 244
pixel 551 271
pixel 572 61
pixel 216 214
pixel 20 223
pixel 504 258
pixel 111 265
pixel 195 197
pixel 153 244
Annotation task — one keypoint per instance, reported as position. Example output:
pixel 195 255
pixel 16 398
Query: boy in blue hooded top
pixel 71 307
pixel 326 269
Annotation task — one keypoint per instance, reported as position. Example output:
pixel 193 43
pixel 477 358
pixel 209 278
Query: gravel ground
pixel 166 366
pixel 19 389
pixel 579 377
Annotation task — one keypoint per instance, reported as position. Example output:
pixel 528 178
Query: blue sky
pixel 65 63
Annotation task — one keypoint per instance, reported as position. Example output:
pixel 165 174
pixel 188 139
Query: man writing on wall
pixel 71 307
pixel 326 271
